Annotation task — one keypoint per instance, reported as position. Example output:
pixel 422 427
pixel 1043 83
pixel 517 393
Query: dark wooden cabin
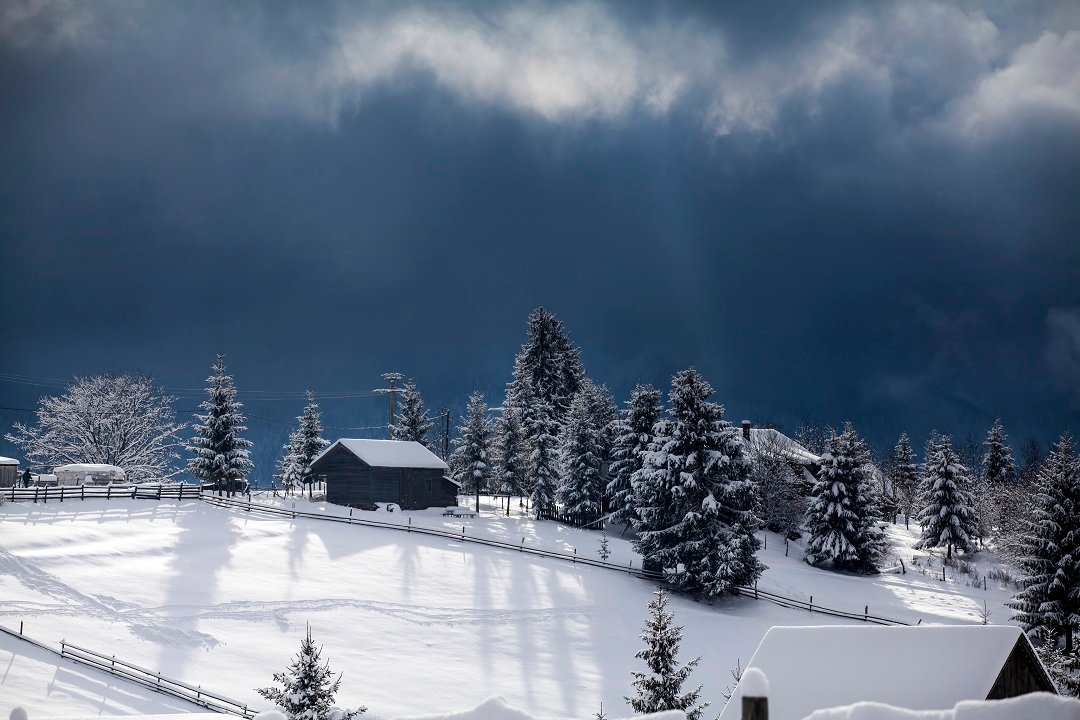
pixel 364 472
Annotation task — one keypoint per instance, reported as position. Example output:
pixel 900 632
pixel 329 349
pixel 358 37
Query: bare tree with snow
pixel 121 420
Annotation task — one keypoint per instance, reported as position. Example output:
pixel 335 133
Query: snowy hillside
pixel 416 624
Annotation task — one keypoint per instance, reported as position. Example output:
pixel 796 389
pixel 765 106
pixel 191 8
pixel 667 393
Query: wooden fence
pixel 749 592
pixel 141 676
pixel 59 493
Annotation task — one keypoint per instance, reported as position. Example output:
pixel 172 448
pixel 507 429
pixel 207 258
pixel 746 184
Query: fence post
pixel 755 695
pixel 755 591
pixel 133 487
pixel 866 613
pixel 811 603
pixel 410 525
pixel 108 491
pixel 61 493
pixel 20 627
pixel 942 572
pixel 82 491
pixel 159 491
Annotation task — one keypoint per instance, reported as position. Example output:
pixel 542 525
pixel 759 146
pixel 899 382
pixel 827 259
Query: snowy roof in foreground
pixel 931 667
pixel 1044 706
pixel 88 468
pixel 766 440
pixel 8 461
pixel 389 453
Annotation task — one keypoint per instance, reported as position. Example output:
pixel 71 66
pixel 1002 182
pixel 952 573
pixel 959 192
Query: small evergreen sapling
pixel 661 688
pixel 307 689
pixel 605 551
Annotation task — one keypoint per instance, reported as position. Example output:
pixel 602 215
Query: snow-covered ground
pixel 417 624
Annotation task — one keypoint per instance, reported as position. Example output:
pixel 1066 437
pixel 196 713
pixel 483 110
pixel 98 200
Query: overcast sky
pixel 834 210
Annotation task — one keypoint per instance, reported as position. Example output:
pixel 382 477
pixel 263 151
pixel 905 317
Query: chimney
pixel 746 429
pixel 755 695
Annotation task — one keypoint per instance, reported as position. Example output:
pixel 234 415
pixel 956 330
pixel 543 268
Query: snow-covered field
pixel 416 624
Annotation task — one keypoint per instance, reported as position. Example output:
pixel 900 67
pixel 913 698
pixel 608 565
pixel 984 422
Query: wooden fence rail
pixel 141 676
pixel 749 592
pixel 60 493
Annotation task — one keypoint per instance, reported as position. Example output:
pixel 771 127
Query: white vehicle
pixel 88 474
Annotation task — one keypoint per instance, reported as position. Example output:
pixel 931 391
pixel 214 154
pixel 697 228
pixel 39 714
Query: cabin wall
pixel 1020 675
pixel 8 475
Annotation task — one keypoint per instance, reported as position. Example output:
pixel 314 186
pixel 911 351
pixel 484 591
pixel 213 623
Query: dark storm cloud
pixel 834 210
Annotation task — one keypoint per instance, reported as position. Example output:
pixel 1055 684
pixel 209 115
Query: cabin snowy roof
pixel 931 667
pixel 8 461
pixel 88 468
pixel 766 440
pixel 389 453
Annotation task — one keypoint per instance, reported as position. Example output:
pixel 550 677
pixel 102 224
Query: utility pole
pixel 391 378
pixel 446 436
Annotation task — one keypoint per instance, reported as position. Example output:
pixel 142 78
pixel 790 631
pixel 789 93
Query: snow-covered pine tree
pixel 221 455
pixel 1049 604
pixel 997 465
pixel 904 476
pixel 948 516
pixel 542 432
pixel 841 518
pixel 412 421
pixel 580 490
pixel 308 441
pixel 697 518
pixel 307 690
pixel 547 368
pixel 632 434
pixel 474 448
pixel 511 454
pixel 288 472
pixel 661 688
pixel 602 413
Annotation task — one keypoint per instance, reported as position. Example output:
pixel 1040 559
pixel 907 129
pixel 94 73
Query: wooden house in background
pixel 364 472
pixel 9 472
pixel 930 667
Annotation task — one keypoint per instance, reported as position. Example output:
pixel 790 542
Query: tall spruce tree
pixel 904 476
pixel 998 467
pixel 1049 603
pixel 841 517
pixel 542 431
pixel 307 690
pixel 221 455
pixel 697 514
pixel 632 434
pixel 948 516
pixel 511 456
pixel 602 414
pixel 473 462
pixel 661 688
pixel 548 367
pixel 412 420
pixel 580 491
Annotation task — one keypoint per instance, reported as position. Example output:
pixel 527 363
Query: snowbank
pixel 1036 705
pixel 497 708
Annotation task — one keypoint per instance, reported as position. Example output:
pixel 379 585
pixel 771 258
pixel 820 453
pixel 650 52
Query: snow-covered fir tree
pixel 473 451
pixel 308 687
pixel 1049 603
pixel 511 453
pixel 221 455
pixel 305 444
pixel 661 688
pixel 412 421
pixel 602 414
pixel 580 490
pixel 948 516
pixel 997 465
pixel 696 499
pixel 547 368
pixel 121 420
pixel 542 432
pixel 632 434
pixel 904 476
pixel 841 517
